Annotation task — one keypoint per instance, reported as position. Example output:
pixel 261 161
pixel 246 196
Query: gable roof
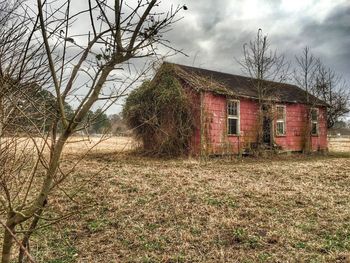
pixel 240 86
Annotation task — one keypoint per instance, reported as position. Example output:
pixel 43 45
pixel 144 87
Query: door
pixel 267 123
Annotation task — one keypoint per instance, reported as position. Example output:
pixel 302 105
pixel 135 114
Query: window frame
pixel 284 120
pixel 314 121
pixel 238 117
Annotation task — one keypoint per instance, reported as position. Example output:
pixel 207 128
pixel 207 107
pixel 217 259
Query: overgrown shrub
pixel 159 112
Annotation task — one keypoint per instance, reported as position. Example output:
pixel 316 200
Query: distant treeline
pixel 34 110
pixel 340 128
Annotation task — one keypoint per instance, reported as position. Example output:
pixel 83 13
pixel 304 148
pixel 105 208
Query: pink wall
pixel 217 141
pixel 296 115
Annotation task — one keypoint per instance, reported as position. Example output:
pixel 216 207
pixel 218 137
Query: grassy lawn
pixel 134 209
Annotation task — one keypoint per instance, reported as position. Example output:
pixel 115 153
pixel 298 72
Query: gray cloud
pixel 331 39
pixel 212 33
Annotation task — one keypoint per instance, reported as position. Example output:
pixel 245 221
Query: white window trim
pixel 280 120
pixel 317 121
pixel 238 117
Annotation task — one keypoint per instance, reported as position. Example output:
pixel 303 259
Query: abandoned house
pixel 226 111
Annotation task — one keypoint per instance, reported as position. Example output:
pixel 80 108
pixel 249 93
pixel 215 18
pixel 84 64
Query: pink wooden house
pixel 226 112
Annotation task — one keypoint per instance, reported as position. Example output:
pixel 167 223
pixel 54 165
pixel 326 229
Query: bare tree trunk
pixel 260 132
pixel 1 119
pixel 1 130
pixel 307 135
pixel 25 241
pixel 40 202
pixel 8 243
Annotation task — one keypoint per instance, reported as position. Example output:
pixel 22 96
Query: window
pixel 233 117
pixel 314 121
pixel 281 120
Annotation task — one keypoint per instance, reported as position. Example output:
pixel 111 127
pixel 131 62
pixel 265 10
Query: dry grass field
pixel 129 208
pixel 113 144
pixel 339 144
pixel 100 145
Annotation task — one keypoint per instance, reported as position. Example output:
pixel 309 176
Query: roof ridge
pixel 230 74
pixel 243 85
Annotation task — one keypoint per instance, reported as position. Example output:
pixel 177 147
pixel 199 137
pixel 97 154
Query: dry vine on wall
pixel 159 112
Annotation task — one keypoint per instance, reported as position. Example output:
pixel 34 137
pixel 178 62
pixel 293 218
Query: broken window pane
pixel 314 128
pixel 232 126
pixel 314 121
pixel 232 109
pixel 280 129
pixel 314 114
pixel 281 120
pixel 280 113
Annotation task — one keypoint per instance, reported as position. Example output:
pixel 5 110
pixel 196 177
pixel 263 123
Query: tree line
pixel 36 109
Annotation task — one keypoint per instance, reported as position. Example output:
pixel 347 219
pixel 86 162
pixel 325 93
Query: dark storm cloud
pixel 210 36
pixel 212 33
pixel 331 39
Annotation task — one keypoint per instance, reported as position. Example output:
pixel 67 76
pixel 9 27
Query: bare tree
pixel 90 66
pixel 6 40
pixel 263 65
pixel 331 88
pixel 23 68
pixel 306 71
pixel 305 75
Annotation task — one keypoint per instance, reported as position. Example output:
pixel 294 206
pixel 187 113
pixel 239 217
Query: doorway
pixel 267 125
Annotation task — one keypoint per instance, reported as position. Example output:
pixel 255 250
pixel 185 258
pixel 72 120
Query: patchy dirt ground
pixel 134 209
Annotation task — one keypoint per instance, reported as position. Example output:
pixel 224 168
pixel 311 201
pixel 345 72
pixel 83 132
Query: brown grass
pixel 339 144
pixel 133 209
pixel 109 144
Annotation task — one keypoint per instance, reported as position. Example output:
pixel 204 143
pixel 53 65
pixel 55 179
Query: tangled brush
pixel 159 112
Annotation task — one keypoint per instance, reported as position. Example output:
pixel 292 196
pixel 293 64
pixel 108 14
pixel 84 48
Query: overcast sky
pixel 212 32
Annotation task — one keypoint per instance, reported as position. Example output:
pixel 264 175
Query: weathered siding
pixel 320 142
pixel 296 116
pixel 214 116
pixel 216 141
